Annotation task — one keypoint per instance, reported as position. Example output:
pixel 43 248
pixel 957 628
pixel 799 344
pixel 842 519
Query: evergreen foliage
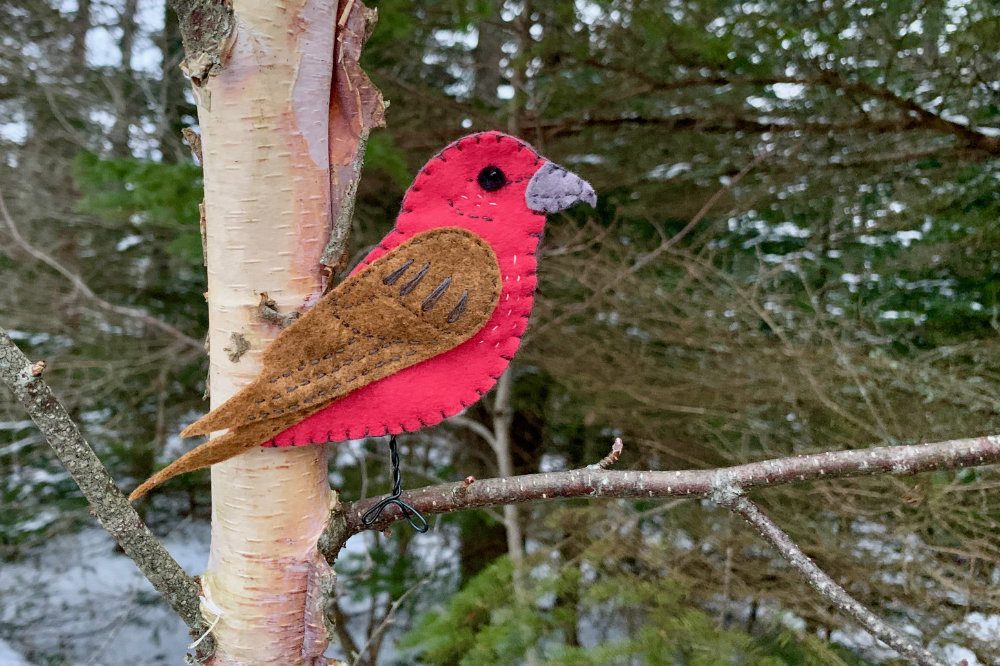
pixel 649 622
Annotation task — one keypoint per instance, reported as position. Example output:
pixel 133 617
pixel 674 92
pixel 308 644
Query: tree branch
pixel 725 124
pixel 825 585
pixel 81 286
pixel 114 512
pixel 894 460
pixel 917 116
pixel 928 118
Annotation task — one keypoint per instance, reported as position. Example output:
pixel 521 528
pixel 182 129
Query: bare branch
pixel 928 118
pixel 893 460
pixel 725 124
pixel 725 486
pixel 825 585
pixel 107 502
pixel 916 116
pixel 387 621
pixel 476 427
pixel 81 286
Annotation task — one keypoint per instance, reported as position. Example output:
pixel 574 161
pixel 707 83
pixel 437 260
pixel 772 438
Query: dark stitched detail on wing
pixel 459 308
pixel 433 297
pixel 412 283
pixel 396 274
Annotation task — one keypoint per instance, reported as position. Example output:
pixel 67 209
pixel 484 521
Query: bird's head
pixel 493 184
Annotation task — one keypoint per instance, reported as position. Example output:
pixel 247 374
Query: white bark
pixel 264 122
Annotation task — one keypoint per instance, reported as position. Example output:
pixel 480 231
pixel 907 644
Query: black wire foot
pixel 413 516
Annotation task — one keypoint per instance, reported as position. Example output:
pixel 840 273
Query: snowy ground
pixel 77 601
pixel 10 657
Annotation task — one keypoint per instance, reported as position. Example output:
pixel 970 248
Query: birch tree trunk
pixel 269 126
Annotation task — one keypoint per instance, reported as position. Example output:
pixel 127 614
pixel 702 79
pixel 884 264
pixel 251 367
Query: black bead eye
pixel 492 178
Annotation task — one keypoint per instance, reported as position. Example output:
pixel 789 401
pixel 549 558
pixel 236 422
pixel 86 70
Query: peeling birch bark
pixel 356 106
pixel 265 117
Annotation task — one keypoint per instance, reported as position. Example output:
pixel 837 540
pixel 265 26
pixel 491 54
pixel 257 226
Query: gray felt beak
pixel 553 189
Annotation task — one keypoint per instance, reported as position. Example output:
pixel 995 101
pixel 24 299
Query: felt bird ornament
pixel 422 328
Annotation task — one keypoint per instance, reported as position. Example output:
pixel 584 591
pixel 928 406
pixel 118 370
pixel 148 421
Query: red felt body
pixel 446 193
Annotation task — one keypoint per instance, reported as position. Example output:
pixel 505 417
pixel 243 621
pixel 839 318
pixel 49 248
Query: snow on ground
pixel 10 657
pixel 75 600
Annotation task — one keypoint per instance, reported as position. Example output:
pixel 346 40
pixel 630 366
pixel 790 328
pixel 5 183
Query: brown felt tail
pixel 211 452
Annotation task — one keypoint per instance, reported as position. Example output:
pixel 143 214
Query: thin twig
pixel 476 427
pixel 702 212
pixel 81 286
pixel 108 503
pixel 387 621
pixel 826 586
pixel 666 243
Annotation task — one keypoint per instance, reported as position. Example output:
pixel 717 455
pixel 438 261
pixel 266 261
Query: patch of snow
pixel 552 463
pixel 77 599
pixel 10 657
pixel 788 90
pixel 16 425
pixel 38 521
pixel 907 237
pixel 668 171
pixel 984 627
pixel 956 654
pixel 589 158
pixel 129 241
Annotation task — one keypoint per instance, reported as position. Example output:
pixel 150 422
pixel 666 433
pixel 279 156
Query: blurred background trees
pixel 841 290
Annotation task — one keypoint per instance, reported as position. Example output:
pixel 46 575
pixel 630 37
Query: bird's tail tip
pixel 192 430
pixel 211 452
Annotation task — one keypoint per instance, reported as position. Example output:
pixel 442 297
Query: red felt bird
pixel 422 328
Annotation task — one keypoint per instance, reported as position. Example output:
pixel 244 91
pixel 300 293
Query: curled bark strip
pixel 206 28
pixel 356 106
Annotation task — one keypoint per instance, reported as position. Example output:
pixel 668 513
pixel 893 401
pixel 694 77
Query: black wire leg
pixel 371 516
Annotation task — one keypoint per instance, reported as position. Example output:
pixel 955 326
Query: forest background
pixel 795 249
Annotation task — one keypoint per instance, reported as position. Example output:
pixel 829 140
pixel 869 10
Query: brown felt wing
pixel 430 294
